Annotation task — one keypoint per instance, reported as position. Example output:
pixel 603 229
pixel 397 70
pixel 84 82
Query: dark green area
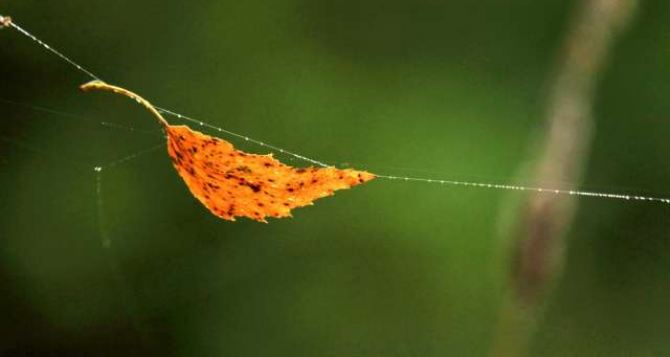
pixel 415 88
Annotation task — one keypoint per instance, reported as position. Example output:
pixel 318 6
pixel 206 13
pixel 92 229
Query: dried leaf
pixel 232 183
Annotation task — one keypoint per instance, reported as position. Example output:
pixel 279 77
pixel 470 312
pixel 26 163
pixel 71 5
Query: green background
pixel 438 89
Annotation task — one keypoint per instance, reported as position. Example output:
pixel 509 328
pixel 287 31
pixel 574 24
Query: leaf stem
pixel 102 86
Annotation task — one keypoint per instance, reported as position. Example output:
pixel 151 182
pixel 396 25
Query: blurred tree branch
pixel 541 223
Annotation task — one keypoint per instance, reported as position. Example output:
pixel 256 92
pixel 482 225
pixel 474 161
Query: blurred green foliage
pixel 450 89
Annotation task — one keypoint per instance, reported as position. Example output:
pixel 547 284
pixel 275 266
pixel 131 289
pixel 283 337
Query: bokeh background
pixel 437 89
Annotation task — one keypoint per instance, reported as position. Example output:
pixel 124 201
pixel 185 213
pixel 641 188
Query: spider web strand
pixel 163 110
pixel 243 137
pixel 128 158
pixel 53 50
pixel 542 190
pixel 64 114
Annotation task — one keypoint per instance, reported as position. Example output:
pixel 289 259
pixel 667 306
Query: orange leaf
pixel 232 183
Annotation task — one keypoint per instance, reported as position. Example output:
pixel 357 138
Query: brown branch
pixel 569 126
pixel 542 223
